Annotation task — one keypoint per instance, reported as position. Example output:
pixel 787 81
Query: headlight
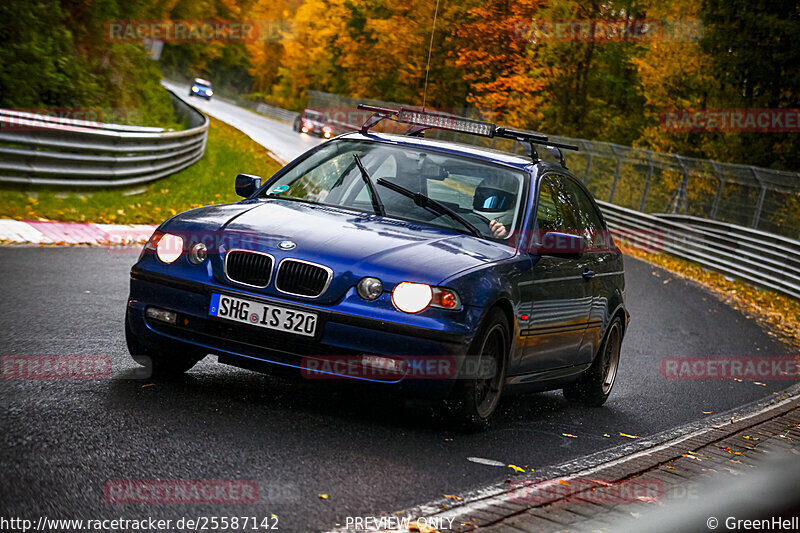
pixel 209 92
pixel 369 288
pixel 198 253
pixel 195 89
pixel 169 248
pixel 412 297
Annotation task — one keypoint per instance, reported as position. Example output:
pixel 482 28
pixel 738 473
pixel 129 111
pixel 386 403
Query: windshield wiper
pixel 377 205
pixel 429 203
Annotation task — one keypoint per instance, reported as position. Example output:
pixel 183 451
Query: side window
pixel 556 209
pixel 591 225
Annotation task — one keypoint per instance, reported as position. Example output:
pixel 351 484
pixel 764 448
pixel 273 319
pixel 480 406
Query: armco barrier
pixel 762 259
pixel 44 150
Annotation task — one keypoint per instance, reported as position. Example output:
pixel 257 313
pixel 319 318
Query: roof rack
pixel 423 120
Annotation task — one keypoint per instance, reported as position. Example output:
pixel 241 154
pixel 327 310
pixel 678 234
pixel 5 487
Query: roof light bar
pixel 421 120
pixel 446 122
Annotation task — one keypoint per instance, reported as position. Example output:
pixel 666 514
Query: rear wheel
pixel 160 363
pixel 593 389
pixel 475 399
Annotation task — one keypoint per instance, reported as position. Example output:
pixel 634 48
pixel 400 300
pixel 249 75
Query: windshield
pixel 479 192
pixel 202 83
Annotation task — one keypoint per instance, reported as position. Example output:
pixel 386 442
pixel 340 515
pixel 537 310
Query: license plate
pixel 263 315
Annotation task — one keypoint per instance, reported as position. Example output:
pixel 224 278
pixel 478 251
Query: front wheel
pixel 475 399
pixel 159 364
pixel 593 388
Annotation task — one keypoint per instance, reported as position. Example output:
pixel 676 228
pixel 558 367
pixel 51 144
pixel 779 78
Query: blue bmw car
pixel 429 267
pixel 201 87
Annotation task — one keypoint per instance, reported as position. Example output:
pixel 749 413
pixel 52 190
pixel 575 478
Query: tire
pixel 474 400
pixel 159 364
pixel 594 387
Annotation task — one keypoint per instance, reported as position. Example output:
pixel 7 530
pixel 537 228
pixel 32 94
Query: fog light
pixel 412 297
pixel 198 253
pixel 169 248
pixel 384 365
pixel 369 288
pixel 162 315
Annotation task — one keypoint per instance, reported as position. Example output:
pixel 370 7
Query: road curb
pixel 72 233
pixel 501 509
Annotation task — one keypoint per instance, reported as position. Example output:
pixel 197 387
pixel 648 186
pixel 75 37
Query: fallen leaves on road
pixel 759 383
pixel 690 456
pixel 570 435
pixel 606 435
pixel 453 497
pixel 708 412
pixel 149 385
pixel 563 482
pixel 515 468
pixel 629 436
pixel 323 496
pixel 728 449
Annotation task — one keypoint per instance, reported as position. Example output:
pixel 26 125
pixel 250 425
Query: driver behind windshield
pixel 495 199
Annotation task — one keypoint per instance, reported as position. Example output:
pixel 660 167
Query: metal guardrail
pixel 765 260
pixel 284 115
pixel 45 150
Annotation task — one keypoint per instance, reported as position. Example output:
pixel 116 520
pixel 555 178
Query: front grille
pixel 249 268
pixel 302 279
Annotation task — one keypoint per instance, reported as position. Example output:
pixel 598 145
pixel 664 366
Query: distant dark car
pixel 201 87
pixel 426 266
pixel 313 123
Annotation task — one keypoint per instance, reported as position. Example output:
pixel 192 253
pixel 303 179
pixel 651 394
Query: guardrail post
pixel 760 204
pixel 718 197
pixel 680 193
pixel 589 155
pixel 616 175
pixel 647 179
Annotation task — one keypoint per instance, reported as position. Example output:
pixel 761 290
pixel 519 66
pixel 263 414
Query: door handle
pixel 588 274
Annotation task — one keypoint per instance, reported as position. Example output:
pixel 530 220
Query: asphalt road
pixel 62 440
pixel 279 138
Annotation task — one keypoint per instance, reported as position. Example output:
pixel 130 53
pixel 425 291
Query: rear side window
pixel 591 226
pixel 556 208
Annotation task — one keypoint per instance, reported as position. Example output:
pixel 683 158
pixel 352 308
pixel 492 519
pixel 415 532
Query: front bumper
pixel 339 335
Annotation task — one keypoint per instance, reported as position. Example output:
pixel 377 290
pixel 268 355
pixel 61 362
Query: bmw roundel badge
pixel 286 245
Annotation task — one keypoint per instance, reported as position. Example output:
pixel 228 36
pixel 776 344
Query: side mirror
pixel 247 184
pixel 561 245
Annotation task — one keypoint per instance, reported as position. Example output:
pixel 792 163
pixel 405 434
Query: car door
pixel 557 294
pixel 603 269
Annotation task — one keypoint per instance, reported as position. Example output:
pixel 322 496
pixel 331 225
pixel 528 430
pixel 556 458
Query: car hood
pixel 352 244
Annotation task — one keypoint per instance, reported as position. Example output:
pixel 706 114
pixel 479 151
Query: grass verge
pixel 779 315
pixel 208 181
